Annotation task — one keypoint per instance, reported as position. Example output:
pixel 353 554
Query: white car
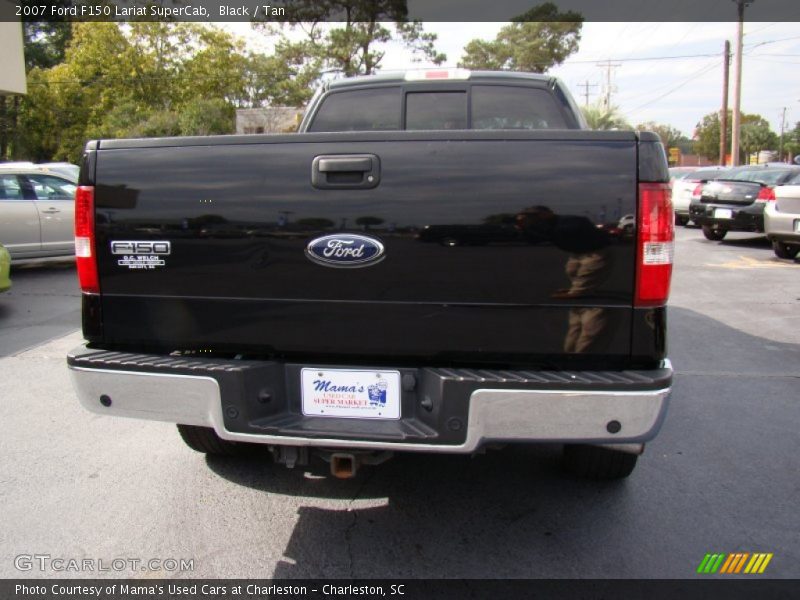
pixel 782 219
pixel 37 208
pixel 682 188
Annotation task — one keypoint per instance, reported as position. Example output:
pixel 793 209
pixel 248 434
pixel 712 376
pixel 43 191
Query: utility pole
pixel 586 87
pixel 737 83
pixel 608 65
pixel 783 127
pixel 723 120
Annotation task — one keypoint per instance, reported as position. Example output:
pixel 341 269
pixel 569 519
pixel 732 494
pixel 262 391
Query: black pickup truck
pixel 434 264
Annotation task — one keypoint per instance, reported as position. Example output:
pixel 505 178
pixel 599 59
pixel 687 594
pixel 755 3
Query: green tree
pixel 600 117
pixel 287 77
pixel 45 42
pixel 44 47
pixel 791 142
pixel 670 136
pixel 130 82
pixel 156 58
pixel 160 123
pixel 706 136
pixel 355 33
pixel 151 79
pixel 38 127
pixel 755 135
pixel 62 99
pixel 535 41
pixel 216 69
pixel 72 98
pixel 207 116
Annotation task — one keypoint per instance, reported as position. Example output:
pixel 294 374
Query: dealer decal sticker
pixel 141 254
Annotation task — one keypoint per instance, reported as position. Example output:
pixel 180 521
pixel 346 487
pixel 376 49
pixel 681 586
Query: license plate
pixel 350 393
pixel 797 226
pixel 723 213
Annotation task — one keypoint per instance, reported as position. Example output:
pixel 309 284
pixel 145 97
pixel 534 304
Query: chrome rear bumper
pixel 495 415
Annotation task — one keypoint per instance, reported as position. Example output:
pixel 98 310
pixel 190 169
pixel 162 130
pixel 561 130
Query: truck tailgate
pixel 497 244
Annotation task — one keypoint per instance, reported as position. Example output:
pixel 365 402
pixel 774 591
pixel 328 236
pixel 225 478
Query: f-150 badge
pixel 346 250
pixel 141 254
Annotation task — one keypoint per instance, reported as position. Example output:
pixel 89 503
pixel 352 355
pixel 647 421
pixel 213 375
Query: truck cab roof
pixel 438 76
pixel 550 104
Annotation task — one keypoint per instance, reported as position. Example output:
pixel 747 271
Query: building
pixel 12 73
pixel 270 119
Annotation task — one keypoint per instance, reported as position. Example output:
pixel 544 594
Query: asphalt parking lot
pixel 721 477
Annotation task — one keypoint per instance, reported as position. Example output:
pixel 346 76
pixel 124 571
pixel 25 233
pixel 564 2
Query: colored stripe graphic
pixel 703 563
pixel 734 563
pixel 710 563
pixel 728 562
pixel 765 563
pixel 755 562
pixel 740 564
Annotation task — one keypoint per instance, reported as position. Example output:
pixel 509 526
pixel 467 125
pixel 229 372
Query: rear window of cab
pixel 492 107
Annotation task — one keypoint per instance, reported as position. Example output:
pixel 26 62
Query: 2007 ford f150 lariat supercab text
pixel 441 261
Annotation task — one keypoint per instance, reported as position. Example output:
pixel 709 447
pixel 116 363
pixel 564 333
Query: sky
pixel 672 91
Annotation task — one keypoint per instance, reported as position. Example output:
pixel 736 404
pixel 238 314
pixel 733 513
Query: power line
pixel 755 45
pixel 762 28
pixel 775 62
pixel 644 59
pixel 697 74
pixel 704 70
pixel 752 46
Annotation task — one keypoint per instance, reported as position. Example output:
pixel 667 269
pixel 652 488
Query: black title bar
pixel 424 10
pixel 732 588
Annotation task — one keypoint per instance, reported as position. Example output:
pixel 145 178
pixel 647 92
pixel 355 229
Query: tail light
pixel 85 254
pixel 766 194
pixel 655 240
pixel 698 192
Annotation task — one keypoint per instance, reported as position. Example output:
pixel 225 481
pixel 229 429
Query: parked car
pixel 676 173
pixel 37 209
pixel 685 184
pixel 782 219
pixel 5 269
pixel 735 201
pixel 66 169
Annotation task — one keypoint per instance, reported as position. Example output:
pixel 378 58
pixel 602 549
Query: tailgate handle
pixel 345 171
pixel 345 163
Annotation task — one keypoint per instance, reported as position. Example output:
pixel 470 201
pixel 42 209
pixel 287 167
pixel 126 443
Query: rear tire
pixel 596 462
pixel 782 250
pixel 681 220
pixel 712 234
pixel 205 440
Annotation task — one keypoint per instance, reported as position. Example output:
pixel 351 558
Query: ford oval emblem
pixel 345 250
